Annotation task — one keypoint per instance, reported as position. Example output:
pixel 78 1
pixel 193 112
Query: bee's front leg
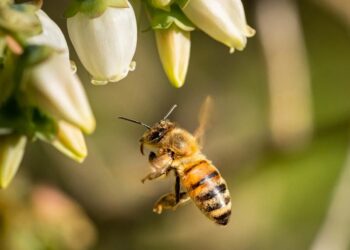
pixel 161 166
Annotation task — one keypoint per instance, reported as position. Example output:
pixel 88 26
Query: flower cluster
pixel 41 97
pixel 104 33
pixel 173 21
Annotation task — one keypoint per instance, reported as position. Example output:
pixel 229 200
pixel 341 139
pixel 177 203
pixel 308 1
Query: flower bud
pixel 12 148
pixel 57 91
pixel 70 141
pixel 105 44
pixel 174 46
pixel 223 20
pixel 51 34
pixel 18 19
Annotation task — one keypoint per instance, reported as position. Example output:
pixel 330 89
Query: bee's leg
pixel 171 200
pixel 155 175
pixel 177 187
pixel 168 201
pixel 161 166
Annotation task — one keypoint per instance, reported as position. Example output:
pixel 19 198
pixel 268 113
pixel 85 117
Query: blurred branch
pixel 288 73
pixel 335 231
pixel 340 7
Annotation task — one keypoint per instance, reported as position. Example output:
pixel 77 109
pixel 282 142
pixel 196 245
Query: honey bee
pixel 175 149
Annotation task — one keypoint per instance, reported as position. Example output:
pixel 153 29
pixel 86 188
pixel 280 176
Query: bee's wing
pixel 203 118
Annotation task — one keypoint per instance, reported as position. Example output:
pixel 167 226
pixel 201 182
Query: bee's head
pixel 154 134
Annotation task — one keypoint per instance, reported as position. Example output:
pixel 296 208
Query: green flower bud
pixel 12 148
pixel 174 46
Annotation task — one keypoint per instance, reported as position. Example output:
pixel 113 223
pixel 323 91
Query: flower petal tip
pixel 12 149
pixel 177 83
pixel 250 32
pixel 73 66
pixel 132 66
pixel 89 127
pixel 70 141
pixel 98 82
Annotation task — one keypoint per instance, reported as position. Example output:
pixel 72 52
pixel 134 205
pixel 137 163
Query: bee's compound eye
pixel 156 136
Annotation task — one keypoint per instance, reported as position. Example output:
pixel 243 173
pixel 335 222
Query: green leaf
pixel 13 68
pixel 44 126
pixel 93 8
pixel 73 9
pixel 28 120
pixel 7 86
pixel 35 54
pixel 161 19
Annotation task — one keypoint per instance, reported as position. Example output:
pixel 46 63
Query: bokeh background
pixel 279 134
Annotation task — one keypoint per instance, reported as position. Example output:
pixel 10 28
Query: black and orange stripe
pixel 208 190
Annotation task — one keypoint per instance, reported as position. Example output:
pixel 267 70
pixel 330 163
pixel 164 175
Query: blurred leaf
pixel 19 19
pixel 27 120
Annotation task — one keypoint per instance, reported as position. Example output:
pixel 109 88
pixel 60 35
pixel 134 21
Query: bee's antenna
pixel 133 121
pixel 170 111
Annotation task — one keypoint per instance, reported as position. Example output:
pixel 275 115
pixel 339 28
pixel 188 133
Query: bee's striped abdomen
pixel 208 190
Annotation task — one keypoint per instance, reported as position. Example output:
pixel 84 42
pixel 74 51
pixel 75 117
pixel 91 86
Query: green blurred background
pixel 278 134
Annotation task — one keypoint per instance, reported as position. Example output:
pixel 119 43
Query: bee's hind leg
pixel 171 200
pixel 168 201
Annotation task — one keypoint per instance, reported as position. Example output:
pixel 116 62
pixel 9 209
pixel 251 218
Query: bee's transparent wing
pixel 203 118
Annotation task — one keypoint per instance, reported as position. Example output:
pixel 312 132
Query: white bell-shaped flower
pixel 105 44
pixel 51 35
pixel 223 20
pixel 58 91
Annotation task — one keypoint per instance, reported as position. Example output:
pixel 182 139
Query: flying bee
pixel 175 149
